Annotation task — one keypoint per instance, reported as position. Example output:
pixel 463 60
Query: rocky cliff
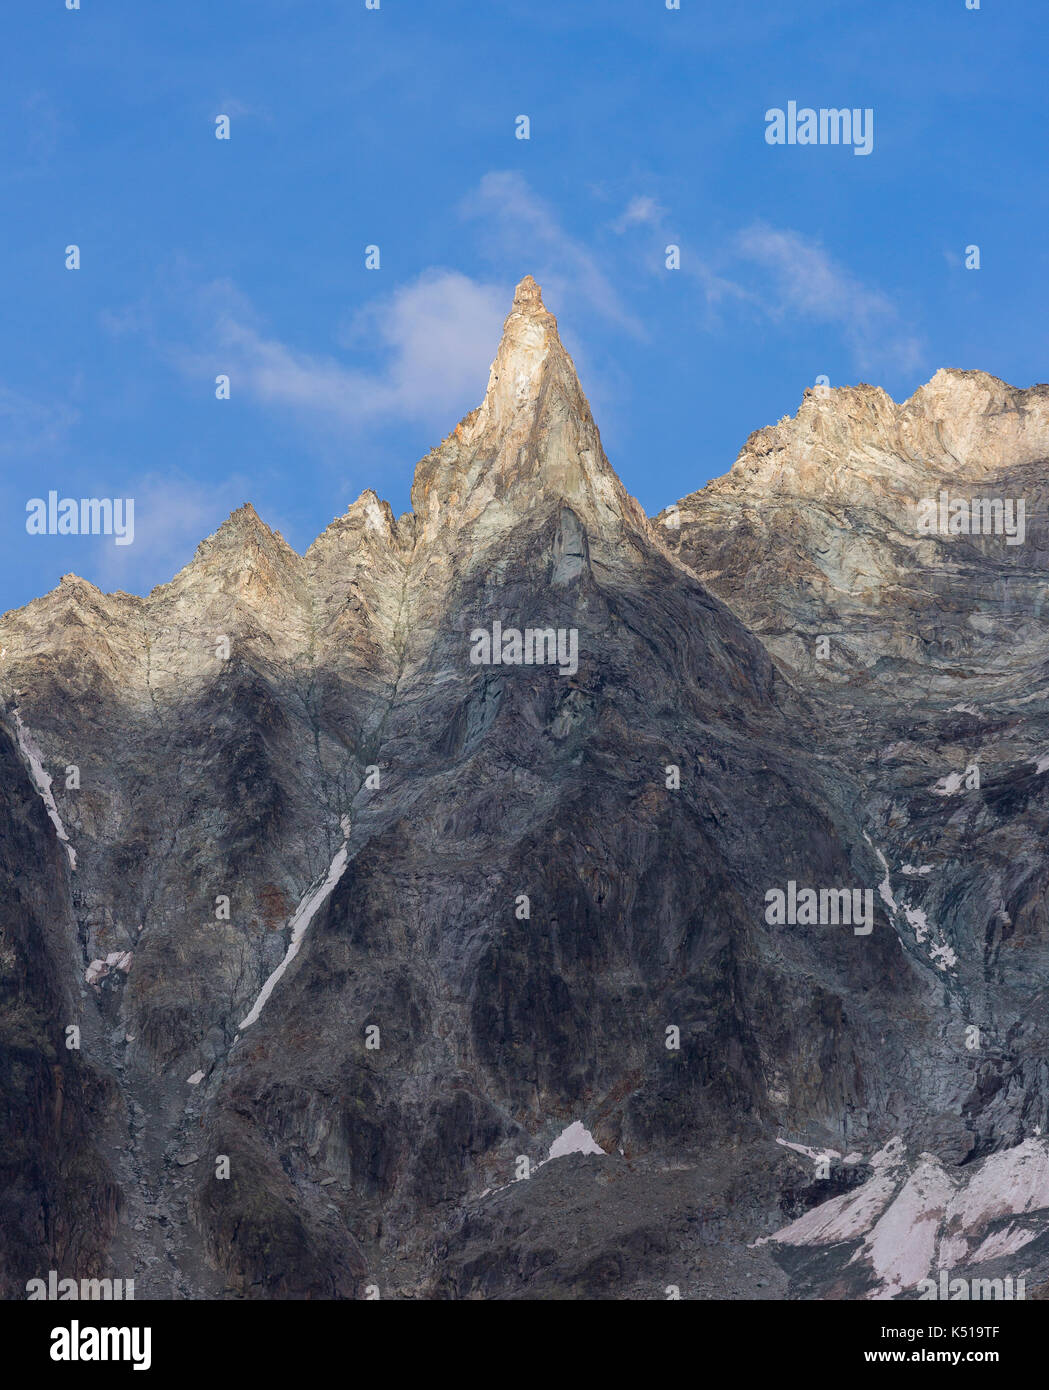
pixel 412 895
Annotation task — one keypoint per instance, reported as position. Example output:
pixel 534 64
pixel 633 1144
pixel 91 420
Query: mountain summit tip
pixel 528 295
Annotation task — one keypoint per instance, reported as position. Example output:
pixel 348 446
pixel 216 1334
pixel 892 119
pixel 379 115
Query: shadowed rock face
pixel 58 1196
pixel 358 922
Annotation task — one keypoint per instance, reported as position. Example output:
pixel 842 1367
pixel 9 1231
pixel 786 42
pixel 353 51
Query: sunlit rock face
pixel 815 530
pixel 925 650
pixel 409 954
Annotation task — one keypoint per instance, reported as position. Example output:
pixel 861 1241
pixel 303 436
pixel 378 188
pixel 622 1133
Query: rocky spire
pixel 530 355
pixel 528 296
pixel 532 438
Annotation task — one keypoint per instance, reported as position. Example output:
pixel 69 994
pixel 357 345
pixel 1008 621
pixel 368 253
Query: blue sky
pixel 396 127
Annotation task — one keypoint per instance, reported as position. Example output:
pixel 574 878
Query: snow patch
pixel 948 785
pixel 918 920
pixel 894 1152
pixel 1009 1183
pixel 944 956
pixel 842 1218
pixel 1004 1242
pixel 901 1244
pixel 195 1079
pixel 303 915
pixel 941 955
pixel 814 1154
pixel 576 1139
pixel 42 782
pixel 931 1219
pixel 885 887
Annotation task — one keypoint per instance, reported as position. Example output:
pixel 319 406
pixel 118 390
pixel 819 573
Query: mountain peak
pixel 528 295
pixel 240 544
pixel 533 438
pixel 848 442
pixel 245 518
pixel 530 355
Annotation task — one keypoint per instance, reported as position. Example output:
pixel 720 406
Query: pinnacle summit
pixel 528 295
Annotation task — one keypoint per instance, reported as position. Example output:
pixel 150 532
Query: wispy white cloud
pixel 803 279
pixel 780 274
pixel 648 218
pixel 441 333
pixel 641 211
pixel 421 352
pixel 435 338
pixel 528 230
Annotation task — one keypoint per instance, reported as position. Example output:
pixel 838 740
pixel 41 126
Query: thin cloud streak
pixel 529 232
pixel 438 335
pixel 803 279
